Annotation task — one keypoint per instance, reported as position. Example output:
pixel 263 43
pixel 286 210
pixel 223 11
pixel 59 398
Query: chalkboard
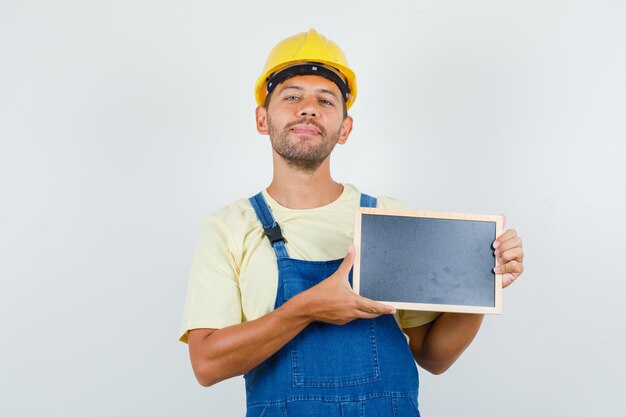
pixel 428 261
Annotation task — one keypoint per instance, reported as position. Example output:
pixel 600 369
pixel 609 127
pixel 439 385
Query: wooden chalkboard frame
pixel 498 220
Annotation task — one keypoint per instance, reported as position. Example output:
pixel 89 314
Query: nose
pixel 308 107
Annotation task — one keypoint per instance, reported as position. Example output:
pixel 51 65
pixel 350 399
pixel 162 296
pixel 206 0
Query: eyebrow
pixel 320 90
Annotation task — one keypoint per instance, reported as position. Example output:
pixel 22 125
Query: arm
pixel 220 354
pixel 437 345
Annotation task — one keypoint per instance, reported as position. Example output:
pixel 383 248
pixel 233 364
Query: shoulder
pixel 229 226
pixel 384 202
pixel 392 203
pixel 231 215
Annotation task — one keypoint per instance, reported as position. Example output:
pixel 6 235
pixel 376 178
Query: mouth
pixel 305 129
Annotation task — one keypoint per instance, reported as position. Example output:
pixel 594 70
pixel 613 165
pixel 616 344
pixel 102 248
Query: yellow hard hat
pixel 302 54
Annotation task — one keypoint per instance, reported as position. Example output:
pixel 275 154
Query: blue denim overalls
pixel 360 369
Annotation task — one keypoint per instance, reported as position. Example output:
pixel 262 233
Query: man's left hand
pixel 508 251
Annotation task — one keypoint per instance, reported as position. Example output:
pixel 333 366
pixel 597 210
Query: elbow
pixel 206 376
pixel 205 382
pixel 436 369
pixel 206 363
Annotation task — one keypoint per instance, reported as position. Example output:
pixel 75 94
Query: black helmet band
pixel 309 68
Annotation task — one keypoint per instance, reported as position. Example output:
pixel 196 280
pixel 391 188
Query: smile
pixel 305 130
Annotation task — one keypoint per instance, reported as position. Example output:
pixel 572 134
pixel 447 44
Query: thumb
pixel 348 261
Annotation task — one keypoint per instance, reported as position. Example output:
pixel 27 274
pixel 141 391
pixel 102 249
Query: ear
pixel 346 128
pixel 261 120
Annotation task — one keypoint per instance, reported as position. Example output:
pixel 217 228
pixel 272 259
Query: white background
pixel 123 123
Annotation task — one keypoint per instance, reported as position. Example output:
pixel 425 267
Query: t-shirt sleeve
pixel 213 299
pixel 409 318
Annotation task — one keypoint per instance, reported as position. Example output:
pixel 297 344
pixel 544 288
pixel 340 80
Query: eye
pixel 291 98
pixel 326 102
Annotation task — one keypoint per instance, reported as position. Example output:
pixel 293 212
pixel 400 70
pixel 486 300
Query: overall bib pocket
pixel 328 355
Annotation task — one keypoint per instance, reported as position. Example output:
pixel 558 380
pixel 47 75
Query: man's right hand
pixel 217 354
pixel 334 301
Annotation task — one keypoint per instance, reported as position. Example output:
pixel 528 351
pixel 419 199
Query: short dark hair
pixel 268 97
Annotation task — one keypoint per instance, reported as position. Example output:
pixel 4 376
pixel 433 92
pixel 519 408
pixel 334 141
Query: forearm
pixel 224 353
pixel 235 350
pixel 447 339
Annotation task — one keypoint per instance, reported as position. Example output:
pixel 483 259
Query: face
pixel 305 121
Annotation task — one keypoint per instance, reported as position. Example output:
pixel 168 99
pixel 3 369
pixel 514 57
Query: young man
pixel 269 295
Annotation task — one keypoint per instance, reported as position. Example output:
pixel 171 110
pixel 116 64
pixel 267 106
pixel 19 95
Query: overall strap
pixel 271 228
pixel 368 201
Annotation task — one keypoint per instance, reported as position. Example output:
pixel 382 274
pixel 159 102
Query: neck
pixel 296 189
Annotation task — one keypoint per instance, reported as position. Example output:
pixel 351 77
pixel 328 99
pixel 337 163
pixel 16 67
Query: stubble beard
pixel 300 153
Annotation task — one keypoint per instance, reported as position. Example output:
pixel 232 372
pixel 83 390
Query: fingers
pixel 509 267
pixel 510 255
pixel 515 242
pixel 508 279
pixel 357 308
pixel 365 315
pixel 339 303
pixel 507 235
pixel 372 307
pixel 508 250
pixel 348 262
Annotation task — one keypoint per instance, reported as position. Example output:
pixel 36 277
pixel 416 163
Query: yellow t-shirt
pixel 234 275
